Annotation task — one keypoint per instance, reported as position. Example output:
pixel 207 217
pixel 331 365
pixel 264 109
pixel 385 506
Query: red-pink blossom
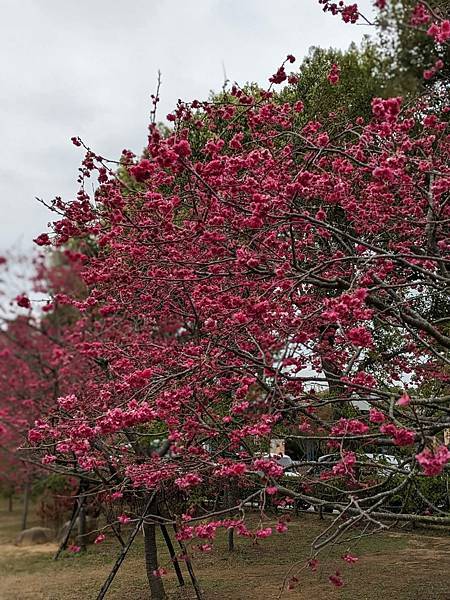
pixel 264 533
pixel 376 416
pixel 440 31
pixel 313 564
pixel 334 74
pixel 404 400
pixel 346 465
pixel 279 76
pixel 349 426
pixel 433 461
pixel 350 558
pixel 401 435
pixel 42 240
pixel 23 301
pixel 336 579
pixel 281 527
pixel 187 481
pixel 124 519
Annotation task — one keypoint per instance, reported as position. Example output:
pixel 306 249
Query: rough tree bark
pixel 151 562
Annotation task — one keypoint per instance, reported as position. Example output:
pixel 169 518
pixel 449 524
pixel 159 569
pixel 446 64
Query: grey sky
pixel 88 67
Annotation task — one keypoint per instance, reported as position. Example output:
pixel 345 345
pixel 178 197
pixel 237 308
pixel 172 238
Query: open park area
pixel 396 565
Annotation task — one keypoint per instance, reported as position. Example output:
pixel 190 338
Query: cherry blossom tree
pixel 253 276
pixel 33 372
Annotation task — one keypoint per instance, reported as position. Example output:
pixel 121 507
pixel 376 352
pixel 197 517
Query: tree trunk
pixel 230 500
pixel 26 504
pixel 151 562
pixel 82 524
pixel 230 538
pixel 10 502
pixel 331 370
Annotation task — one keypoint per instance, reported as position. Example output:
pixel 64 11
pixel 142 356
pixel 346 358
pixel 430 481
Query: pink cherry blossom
pixel 433 461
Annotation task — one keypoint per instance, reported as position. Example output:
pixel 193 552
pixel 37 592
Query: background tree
pixel 407 51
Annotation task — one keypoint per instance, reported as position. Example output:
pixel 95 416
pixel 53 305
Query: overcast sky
pixel 88 67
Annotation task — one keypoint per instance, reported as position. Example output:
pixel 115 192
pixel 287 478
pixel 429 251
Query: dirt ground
pixel 397 565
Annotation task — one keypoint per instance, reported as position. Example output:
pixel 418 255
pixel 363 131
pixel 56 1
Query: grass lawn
pixel 394 566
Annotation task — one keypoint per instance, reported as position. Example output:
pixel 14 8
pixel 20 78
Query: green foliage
pixel 362 78
pixel 407 50
pixel 425 495
pixel 55 496
pixel 53 484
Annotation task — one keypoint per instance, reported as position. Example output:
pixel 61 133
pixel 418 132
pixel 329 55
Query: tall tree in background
pixel 407 51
